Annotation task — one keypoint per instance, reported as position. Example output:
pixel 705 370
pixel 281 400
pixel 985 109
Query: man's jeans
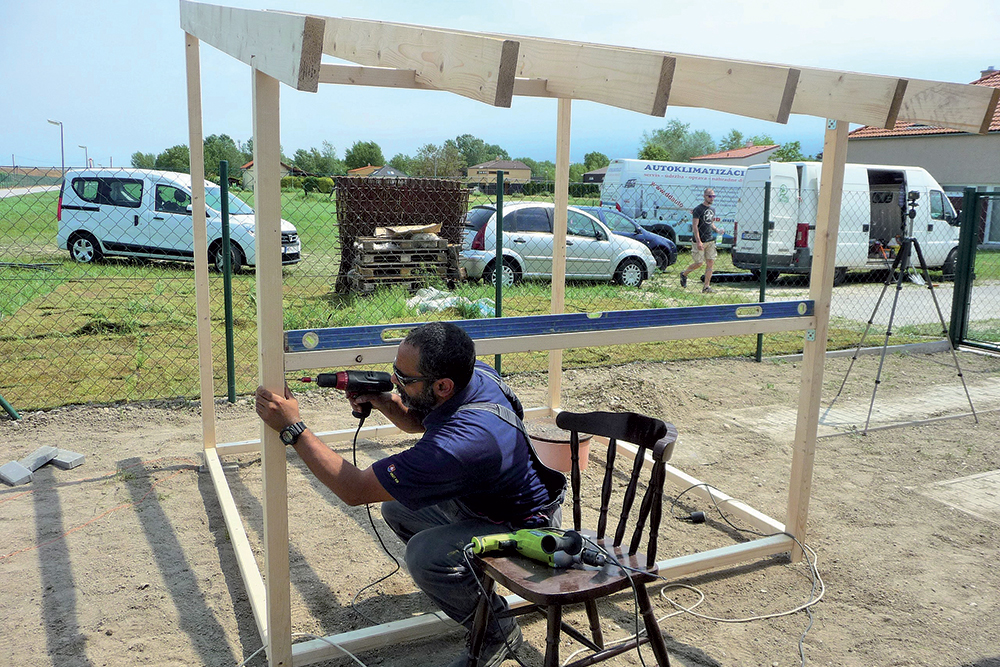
pixel 435 538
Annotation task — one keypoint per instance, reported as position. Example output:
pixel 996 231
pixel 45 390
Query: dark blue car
pixel 664 250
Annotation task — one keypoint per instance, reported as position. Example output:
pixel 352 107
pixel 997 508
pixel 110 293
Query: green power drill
pixel 551 546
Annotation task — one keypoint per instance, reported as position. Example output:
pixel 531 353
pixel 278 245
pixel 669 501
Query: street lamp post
pixel 62 151
pixel 86 157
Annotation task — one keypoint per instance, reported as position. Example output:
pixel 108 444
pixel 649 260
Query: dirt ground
pixel 126 560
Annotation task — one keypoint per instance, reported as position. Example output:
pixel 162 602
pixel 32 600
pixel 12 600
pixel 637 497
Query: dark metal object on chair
pixel 549 589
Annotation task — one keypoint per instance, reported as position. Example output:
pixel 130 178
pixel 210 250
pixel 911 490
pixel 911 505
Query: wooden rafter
pixel 474 66
pixel 953 105
pixel 287 47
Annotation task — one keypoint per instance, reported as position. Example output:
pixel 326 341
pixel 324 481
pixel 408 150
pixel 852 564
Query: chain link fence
pixel 97 293
pixel 977 311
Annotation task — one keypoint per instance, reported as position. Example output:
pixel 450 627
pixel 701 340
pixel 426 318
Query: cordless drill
pixel 358 382
pixel 551 546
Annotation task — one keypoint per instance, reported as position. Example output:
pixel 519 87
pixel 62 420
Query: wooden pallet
pixel 411 262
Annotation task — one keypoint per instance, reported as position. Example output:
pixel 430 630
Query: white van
pixel 873 215
pixel 661 195
pixel 144 213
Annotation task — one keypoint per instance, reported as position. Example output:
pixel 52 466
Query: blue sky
pixel 113 71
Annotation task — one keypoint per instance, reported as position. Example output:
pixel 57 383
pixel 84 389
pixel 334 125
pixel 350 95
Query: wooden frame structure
pixel 288 48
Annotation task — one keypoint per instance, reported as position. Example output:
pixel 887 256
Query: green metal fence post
pixel 227 282
pixel 9 408
pixel 498 261
pixel 763 260
pixel 961 297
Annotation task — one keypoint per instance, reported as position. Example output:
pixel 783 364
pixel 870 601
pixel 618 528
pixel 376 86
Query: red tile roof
pixel 908 129
pixel 746 151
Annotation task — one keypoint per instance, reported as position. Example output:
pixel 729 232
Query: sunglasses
pixel 407 380
pixel 710 196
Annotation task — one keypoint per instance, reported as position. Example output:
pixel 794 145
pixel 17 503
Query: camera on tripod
pixel 911 198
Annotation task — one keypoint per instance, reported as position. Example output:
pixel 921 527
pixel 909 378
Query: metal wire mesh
pixel 97 297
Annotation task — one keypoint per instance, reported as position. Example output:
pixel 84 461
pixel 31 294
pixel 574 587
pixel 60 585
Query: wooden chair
pixel 549 589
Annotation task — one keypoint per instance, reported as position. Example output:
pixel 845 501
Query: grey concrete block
pixel 39 457
pixel 14 473
pixel 66 459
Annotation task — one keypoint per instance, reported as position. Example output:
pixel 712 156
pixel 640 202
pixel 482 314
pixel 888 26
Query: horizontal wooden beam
pixel 287 47
pixel 712 559
pixel 479 67
pixel 743 88
pixel 633 79
pixel 387 77
pixel 857 98
pixel 956 106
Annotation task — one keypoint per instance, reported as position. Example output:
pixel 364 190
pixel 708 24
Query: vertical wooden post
pixel 203 314
pixel 814 352
pixel 563 122
pixel 271 361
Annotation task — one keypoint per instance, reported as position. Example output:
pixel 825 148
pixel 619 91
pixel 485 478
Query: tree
pixel 476 151
pixel 541 171
pixel 654 152
pixel 221 147
pixel 362 154
pixel 443 161
pixel 735 139
pixel 576 171
pixel 595 160
pixel 176 158
pixel 322 163
pixel 143 160
pixel 679 143
pixel 790 152
pixel 403 163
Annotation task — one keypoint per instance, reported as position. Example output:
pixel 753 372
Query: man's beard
pixel 422 402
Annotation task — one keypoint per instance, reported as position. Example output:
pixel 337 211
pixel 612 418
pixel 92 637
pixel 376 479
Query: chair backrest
pixel 650 435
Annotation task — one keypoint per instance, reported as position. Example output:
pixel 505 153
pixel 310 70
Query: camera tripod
pixel 902 265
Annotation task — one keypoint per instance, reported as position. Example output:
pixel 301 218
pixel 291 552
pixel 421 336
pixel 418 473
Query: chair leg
pixel 479 624
pixel 554 615
pixel 595 622
pixel 652 629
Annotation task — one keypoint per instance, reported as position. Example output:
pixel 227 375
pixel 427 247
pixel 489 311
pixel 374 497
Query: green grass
pixel 125 330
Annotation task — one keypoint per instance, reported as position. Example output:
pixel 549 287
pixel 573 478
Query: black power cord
pixel 368 509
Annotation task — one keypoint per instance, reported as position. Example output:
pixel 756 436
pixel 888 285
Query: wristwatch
pixel 290 434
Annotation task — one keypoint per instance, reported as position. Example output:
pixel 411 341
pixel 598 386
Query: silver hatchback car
pixel 593 252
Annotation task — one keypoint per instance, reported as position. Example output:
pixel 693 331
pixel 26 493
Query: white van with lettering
pixel 144 213
pixel 874 214
pixel 661 195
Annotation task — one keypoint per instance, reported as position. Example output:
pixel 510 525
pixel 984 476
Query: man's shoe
pixel 495 650
pixel 707 290
pixel 684 280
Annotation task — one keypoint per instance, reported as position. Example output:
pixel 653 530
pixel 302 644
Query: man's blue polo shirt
pixel 470 455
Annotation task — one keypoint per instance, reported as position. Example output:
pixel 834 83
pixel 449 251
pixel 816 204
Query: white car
pixel 145 213
pixel 593 252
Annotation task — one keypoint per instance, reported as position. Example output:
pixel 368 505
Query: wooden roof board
pixel 483 66
pixel 646 80
pixel 475 66
pixel 287 47
pixel 957 106
pixel 857 98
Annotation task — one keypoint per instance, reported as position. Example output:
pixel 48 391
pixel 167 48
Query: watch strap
pixel 290 434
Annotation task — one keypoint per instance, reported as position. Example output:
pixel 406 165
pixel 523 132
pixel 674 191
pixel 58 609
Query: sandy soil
pixel 126 560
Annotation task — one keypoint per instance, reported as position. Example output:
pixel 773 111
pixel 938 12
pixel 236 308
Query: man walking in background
pixel 703 232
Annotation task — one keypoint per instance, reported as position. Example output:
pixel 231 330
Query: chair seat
pixel 544 585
